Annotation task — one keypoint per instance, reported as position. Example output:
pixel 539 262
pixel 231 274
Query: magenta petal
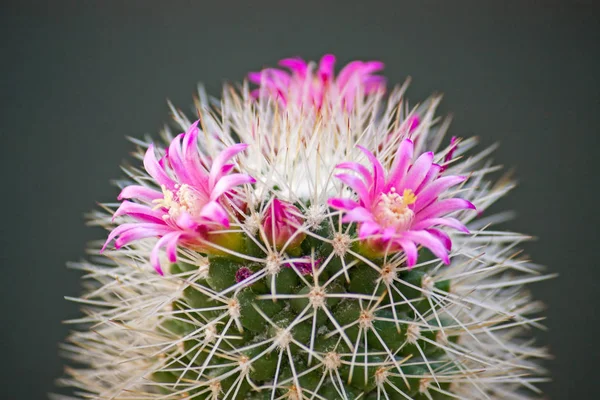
pixel 139 192
pixel 434 189
pixel 442 237
pixel 215 212
pixel 359 168
pixel 358 186
pixel 135 231
pixel 326 67
pixel 139 211
pixel 358 214
pixel 170 242
pixel 228 182
pixel 176 160
pixel 155 170
pixel 221 159
pixel 368 229
pixel 346 73
pixel 342 204
pixel 410 250
pixel 255 77
pixel 447 221
pixel 433 243
pixel 378 173
pixel 186 222
pixel 372 66
pixel 443 207
pixel 417 172
pixel 295 64
pixel 403 158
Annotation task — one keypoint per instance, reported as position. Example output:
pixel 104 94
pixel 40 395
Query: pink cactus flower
pixel 399 211
pixel 305 86
pixel 281 223
pixel 191 203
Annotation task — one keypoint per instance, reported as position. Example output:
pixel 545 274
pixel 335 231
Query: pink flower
pixel 191 203
pixel 304 86
pixel 281 223
pixel 403 209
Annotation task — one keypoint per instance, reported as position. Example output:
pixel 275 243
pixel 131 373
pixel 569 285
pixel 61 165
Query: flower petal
pixel 155 170
pixel 215 212
pixel 221 159
pixel 443 207
pixel 410 250
pixel 358 214
pixel 428 240
pixel 139 211
pixel 169 241
pixel 401 163
pixel 378 173
pixel 417 172
pixel 228 182
pixel 358 186
pixel 342 204
pixel 139 192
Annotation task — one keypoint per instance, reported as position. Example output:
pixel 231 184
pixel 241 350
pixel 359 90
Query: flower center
pixel 184 199
pixel 392 209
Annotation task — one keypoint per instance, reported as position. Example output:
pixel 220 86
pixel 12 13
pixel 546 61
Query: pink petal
pixel 228 182
pixel 139 192
pixel 447 221
pixel 402 161
pixel 347 72
pixel 186 222
pixel 410 250
pixel 326 67
pixel 195 170
pixel 138 231
pixel 442 237
pixel 221 159
pixel 342 204
pixel 155 170
pixel 378 173
pixel 296 65
pixel 432 175
pixel 358 186
pixel 443 207
pixel 433 243
pixel 170 242
pixel 358 214
pixel 434 189
pixel 176 160
pixel 368 229
pixel 215 212
pixel 139 211
pixel 359 168
pixel 417 172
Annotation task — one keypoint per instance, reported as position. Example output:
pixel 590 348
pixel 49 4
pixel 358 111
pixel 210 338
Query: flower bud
pixel 281 224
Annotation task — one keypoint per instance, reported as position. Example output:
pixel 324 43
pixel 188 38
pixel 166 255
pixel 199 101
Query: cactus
pixel 314 238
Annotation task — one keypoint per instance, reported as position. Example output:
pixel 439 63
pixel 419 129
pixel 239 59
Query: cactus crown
pixel 313 240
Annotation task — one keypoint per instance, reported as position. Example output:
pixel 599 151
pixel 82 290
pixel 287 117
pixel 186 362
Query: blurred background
pixel 78 76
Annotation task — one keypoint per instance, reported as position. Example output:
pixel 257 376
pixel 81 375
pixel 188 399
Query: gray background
pixel 77 77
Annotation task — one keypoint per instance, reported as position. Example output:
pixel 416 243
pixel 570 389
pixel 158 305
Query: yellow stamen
pixel 408 197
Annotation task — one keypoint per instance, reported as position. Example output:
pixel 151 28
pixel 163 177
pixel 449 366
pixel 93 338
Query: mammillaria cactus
pixel 313 238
